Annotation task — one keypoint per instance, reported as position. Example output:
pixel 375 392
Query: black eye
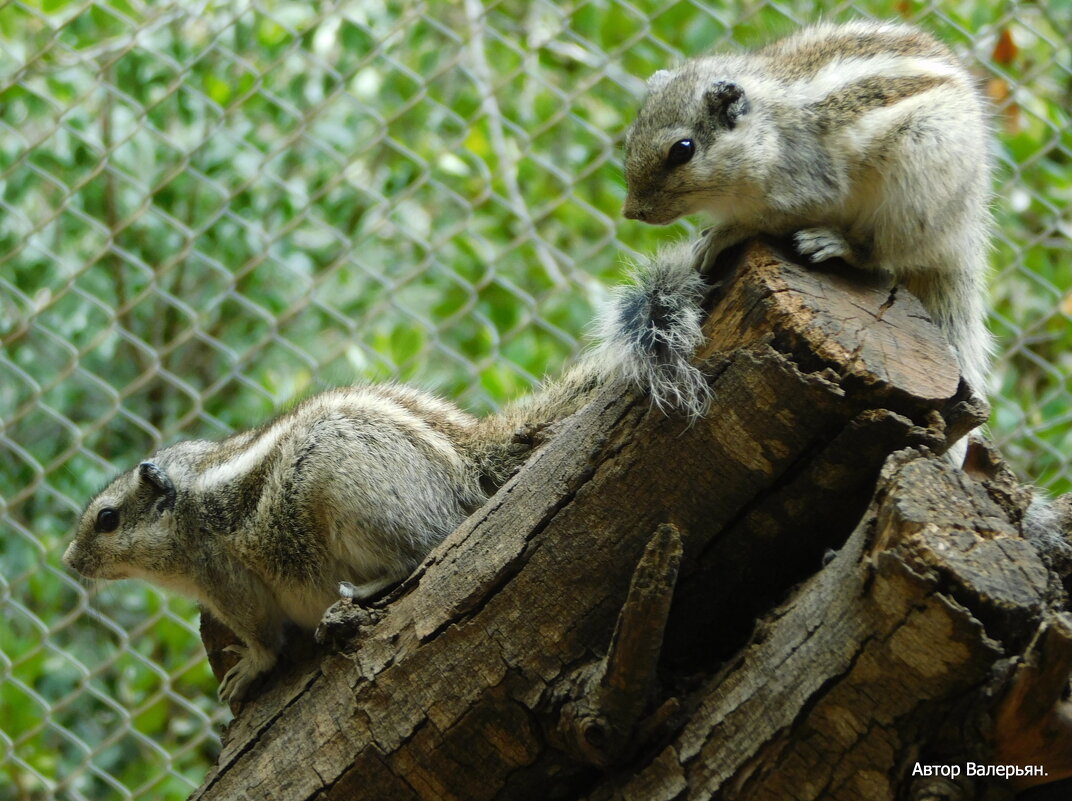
pixel 680 153
pixel 107 520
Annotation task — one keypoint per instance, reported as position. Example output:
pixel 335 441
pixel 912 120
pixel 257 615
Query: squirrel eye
pixel 107 520
pixel 680 153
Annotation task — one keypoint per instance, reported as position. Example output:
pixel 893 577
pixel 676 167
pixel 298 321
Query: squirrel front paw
pixel 252 662
pixel 821 244
pixel 705 250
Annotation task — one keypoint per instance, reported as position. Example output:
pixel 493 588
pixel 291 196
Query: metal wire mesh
pixel 208 209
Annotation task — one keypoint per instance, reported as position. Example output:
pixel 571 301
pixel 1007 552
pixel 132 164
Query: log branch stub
pixel 600 721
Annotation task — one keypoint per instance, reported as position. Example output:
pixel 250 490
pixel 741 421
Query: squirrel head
pixel 686 144
pixel 128 529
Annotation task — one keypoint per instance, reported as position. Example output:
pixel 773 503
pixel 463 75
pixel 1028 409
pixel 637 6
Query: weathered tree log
pixel 591 632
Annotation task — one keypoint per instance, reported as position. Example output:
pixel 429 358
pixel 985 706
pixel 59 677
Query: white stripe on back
pixel 843 72
pixel 246 460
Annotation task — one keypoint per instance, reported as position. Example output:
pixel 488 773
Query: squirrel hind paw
pixel 359 592
pixel 348 590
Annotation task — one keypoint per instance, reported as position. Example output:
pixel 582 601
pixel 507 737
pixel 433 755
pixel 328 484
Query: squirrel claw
pixel 251 664
pixel 822 244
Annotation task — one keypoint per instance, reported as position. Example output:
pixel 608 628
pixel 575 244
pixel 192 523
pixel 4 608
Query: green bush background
pixel 209 209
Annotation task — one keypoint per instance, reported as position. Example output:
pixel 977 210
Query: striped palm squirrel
pixel 356 485
pixel 866 141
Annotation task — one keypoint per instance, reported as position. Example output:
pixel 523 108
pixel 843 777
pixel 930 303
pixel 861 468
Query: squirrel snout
pixel 632 211
pixel 75 558
pixel 69 556
pixel 648 214
pixel 654 210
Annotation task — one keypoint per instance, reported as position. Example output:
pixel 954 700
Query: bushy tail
pixel 651 329
pixel 645 338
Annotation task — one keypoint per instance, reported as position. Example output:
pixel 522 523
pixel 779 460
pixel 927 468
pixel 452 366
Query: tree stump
pixel 765 604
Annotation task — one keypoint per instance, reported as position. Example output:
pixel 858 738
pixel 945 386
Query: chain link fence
pixel 208 209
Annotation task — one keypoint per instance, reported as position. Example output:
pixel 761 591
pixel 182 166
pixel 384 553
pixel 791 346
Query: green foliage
pixel 205 217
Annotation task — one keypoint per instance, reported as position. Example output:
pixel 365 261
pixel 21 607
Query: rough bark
pixel 592 631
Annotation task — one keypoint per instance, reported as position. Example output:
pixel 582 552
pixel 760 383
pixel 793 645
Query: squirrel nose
pixel 633 212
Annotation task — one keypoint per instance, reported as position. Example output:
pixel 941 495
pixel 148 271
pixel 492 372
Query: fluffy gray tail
pixel 645 338
pixel 649 332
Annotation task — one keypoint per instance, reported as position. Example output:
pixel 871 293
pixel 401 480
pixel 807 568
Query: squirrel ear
pixel 659 80
pixel 726 102
pixel 153 475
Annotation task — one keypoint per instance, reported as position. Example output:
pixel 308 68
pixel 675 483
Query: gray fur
pixel 868 141
pixel 1048 525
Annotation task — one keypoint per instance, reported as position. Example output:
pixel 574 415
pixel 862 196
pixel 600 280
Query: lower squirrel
pixel 865 141
pixel 354 486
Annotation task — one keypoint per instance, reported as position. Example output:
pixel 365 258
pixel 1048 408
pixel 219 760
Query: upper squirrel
pixel 356 484
pixel 866 141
